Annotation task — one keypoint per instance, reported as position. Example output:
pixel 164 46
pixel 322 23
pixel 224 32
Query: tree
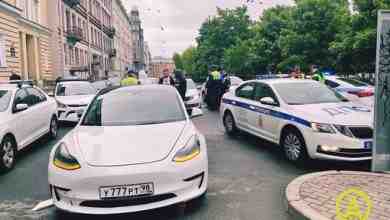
pixel 178 61
pixel 219 33
pixel 188 59
pixel 313 26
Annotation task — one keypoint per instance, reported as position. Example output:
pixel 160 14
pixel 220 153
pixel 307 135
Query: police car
pixel 26 114
pixel 306 118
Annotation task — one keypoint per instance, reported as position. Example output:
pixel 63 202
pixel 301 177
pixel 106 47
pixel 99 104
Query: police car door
pixel 261 118
pixel 244 95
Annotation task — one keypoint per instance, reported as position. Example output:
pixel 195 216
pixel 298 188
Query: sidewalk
pixel 314 196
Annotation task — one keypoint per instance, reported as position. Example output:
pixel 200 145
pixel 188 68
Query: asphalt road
pixel 247 180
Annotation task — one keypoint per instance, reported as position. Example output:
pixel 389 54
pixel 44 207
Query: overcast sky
pixel 181 19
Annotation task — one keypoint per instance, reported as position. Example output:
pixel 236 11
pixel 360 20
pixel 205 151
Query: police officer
pixel 131 79
pixel 215 88
pixel 14 76
pixel 180 83
pixel 317 75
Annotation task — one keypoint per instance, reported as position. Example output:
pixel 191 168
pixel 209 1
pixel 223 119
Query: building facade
pixel 147 58
pixel 159 64
pixel 137 40
pixel 122 57
pixel 24 39
pixel 82 45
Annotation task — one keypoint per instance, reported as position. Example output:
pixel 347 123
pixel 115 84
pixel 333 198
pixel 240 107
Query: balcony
pixel 74 35
pixel 72 3
pixel 112 53
pixel 111 32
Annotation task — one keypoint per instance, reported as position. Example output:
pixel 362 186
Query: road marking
pixel 43 205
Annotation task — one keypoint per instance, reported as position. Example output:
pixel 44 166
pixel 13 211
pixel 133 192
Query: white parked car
pixel 73 97
pixel 306 118
pixel 193 98
pixel 26 114
pixel 352 89
pixel 126 155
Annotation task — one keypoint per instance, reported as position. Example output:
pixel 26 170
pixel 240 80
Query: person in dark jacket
pixel 180 83
pixel 215 88
pixel 14 76
pixel 166 79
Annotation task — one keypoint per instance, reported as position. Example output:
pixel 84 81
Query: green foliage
pixel 178 61
pixel 322 32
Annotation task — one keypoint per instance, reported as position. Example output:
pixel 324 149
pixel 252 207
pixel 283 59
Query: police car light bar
pixel 272 76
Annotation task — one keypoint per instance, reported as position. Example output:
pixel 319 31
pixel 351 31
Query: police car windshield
pixel 124 107
pixel 5 97
pixel 75 88
pixel 307 93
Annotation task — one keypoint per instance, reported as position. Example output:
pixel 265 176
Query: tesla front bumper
pixel 78 191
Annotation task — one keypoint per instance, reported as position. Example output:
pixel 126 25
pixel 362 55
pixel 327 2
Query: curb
pixel 297 208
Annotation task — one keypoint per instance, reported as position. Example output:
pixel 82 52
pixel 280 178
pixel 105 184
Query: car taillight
pixel 363 93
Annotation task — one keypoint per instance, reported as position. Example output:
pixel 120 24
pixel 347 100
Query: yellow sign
pixel 353 204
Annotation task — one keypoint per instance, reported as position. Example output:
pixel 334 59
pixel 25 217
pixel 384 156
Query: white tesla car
pixel 134 149
pixel 73 97
pixel 26 114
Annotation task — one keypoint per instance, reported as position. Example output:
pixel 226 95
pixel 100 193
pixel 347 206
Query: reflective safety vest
pixel 129 81
pixel 319 77
pixel 216 75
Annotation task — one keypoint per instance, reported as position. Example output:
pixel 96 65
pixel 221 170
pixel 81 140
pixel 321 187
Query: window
pixel 77 60
pixel 246 91
pixel 35 11
pixel 331 84
pixel 3 62
pixel 34 97
pixel 263 91
pixel 20 97
pixel 66 54
pixel 5 97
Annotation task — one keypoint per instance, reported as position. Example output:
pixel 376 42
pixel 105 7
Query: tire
pixel 230 124
pixel 7 154
pixel 294 146
pixel 53 130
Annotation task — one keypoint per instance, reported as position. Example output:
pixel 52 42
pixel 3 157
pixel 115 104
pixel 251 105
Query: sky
pixel 172 25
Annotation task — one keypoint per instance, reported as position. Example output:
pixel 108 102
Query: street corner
pixel 340 195
pixel 22 210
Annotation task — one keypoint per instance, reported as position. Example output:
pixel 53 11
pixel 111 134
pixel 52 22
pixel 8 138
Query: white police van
pixel 306 118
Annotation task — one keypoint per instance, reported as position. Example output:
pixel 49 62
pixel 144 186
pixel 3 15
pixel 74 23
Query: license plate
pixel 126 191
pixel 368 144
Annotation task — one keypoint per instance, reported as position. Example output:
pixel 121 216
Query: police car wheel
pixel 294 146
pixel 229 124
pixel 7 154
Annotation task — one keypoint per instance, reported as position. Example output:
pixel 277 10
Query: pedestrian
pixel 14 76
pixel 215 88
pixel 166 79
pixel 180 83
pixel 130 79
pixel 317 75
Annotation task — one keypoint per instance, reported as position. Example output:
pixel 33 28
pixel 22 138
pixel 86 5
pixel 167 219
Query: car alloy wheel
pixel 293 147
pixel 53 128
pixel 7 153
pixel 229 124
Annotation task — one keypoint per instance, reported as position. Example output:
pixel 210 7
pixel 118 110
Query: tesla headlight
pixel 60 104
pixel 64 160
pixel 344 130
pixel 323 128
pixel 189 152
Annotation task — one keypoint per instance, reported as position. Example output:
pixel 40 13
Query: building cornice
pixel 4 6
pixel 35 26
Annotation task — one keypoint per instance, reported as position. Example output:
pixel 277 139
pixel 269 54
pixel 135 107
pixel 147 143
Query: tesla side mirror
pixel 268 101
pixel 21 107
pixel 196 112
